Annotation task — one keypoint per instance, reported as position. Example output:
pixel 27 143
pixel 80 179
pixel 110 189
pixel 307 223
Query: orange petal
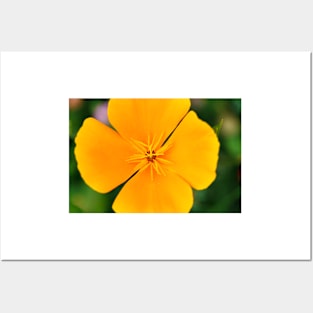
pixel 194 151
pixel 101 156
pixel 163 194
pixel 147 119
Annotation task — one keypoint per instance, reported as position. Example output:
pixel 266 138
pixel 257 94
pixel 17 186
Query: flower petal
pixel 101 156
pixel 194 151
pixel 142 119
pixel 163 194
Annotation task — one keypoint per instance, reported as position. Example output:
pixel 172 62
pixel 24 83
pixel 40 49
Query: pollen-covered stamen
pixel 151 155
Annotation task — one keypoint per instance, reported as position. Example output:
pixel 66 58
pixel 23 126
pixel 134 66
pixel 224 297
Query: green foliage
pixel 224 195
pixel 218 127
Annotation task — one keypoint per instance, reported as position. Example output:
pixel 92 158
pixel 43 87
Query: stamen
pixel 157 143
pixel 150 154
pixel 156 167
pixel 141 166
pixel 161 171
pixel 135 158
pixel 165 147
pixel 164 161
pixel 138 145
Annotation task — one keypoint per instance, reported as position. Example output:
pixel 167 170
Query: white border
pixel 275 93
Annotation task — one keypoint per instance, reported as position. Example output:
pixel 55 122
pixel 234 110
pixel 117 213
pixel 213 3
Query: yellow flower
pixel 159 148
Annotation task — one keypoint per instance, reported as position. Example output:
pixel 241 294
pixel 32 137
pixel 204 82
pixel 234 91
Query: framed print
pixel 214 146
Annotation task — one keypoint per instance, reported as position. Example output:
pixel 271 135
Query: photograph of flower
pixel 155 155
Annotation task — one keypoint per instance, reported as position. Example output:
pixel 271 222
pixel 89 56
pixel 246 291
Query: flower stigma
pixel 151 155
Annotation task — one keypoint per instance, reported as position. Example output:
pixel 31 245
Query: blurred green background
pixel 223 196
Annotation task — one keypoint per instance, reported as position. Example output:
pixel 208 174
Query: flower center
pixel 150 155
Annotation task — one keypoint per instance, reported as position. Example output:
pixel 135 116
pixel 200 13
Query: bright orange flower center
pixel 150 155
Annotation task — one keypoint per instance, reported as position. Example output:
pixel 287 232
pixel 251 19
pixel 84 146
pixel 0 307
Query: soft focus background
pixel 223 196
